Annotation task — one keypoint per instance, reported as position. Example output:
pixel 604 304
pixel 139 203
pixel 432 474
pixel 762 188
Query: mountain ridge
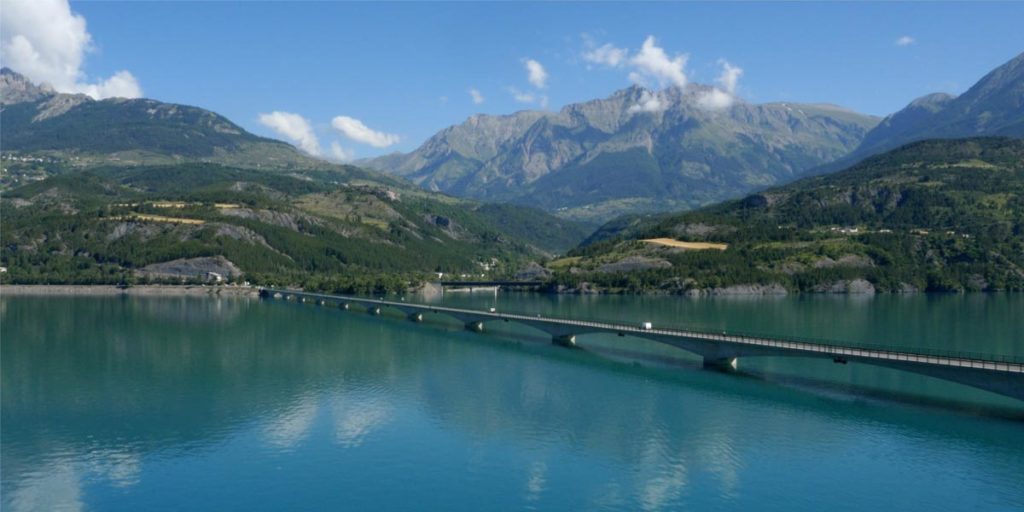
pixel 36 118
pixel 993 106
pixel 750 146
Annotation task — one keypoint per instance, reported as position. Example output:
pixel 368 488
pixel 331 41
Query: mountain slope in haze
pixel 994 106
pixel 637 150
pixel 937 215
pixel 129 131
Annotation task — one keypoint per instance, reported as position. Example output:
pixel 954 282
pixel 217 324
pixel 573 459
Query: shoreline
pixel 39 290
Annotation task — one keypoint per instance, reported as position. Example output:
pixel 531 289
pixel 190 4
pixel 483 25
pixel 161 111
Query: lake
pixel 194 403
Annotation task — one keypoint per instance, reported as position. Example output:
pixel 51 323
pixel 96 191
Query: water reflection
pixel 108 397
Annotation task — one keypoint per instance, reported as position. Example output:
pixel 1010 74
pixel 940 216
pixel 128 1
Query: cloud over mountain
pixel 355 129
pixel 653 63
pixel 293 127
pixel 47 42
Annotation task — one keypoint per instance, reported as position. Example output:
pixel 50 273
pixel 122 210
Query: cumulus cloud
pixel 649 102
pixel 536 73
pixel 355 129
pixel 477 97
pixel 905 41
pixel 341 154
pixel 293 127
pixel 607 55
pixel 652 63
pixel 725 94
pixel 46 42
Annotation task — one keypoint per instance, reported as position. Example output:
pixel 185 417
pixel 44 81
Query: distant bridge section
pixel 481 284
pixel 1003 375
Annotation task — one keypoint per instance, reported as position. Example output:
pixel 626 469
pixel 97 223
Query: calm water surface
pixel 240 404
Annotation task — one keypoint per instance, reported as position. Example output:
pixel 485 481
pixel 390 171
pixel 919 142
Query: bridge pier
pixel 415 317
pixel 476 326
pixel 720 363
pixel 567 340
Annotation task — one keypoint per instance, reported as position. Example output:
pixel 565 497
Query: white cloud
pixel 521 96
pixel 715 99
pixel 730 76
pixel 537 75
pixel 529 97
pixel 341 154
pixel 724 95
pixel 477 97
pixel 653 63
pixel 905 41
pixel 607 55
pixel 45 41
pixel 293 127
pixel 359 132
pixel 649 102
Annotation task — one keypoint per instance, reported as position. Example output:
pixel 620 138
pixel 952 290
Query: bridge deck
pixel 999 364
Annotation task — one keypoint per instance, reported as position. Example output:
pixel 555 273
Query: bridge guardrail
pixel 679 330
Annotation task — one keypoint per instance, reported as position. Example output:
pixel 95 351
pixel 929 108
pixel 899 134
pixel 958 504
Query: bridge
pixel 482 284
pixel 1002 375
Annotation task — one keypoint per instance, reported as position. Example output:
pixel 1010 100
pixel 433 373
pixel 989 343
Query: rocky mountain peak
pixel 17 88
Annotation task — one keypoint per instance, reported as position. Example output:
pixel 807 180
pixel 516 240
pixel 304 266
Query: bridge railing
pixel 749 336
pixel 738 335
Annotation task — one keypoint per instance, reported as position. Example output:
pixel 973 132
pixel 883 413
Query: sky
pixel 353 80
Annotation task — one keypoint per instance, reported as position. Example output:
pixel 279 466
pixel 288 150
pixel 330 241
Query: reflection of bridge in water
pixel 1003 375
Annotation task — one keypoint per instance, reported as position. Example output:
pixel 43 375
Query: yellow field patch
pixel 158 218
pixel 169 204
pixel 697 246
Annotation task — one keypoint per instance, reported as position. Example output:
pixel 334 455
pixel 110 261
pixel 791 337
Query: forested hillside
pixel 941 215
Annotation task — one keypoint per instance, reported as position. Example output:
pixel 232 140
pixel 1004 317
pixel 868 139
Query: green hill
pixel 115 224
pixel 940 215
pixel 84 132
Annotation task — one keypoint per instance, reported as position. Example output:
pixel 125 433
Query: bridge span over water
pixel 1003 375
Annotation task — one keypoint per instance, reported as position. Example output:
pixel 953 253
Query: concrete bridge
pixel 1003 375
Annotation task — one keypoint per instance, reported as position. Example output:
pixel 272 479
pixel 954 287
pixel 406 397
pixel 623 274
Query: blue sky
pixel 405 69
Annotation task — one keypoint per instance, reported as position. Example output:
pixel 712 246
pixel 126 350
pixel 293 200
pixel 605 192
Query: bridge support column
pixel 720 363
pixel 568 340
pixel 373 310
pixel 475 326
pixel 415 317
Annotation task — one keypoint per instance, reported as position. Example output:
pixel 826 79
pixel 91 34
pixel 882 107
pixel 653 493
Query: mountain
pixel 994 106
pixel 637 150
pixel 937 215
pixel 119 223
pixel 123 190
pixel 130 131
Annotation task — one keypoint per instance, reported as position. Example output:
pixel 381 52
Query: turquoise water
pixel 242 404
